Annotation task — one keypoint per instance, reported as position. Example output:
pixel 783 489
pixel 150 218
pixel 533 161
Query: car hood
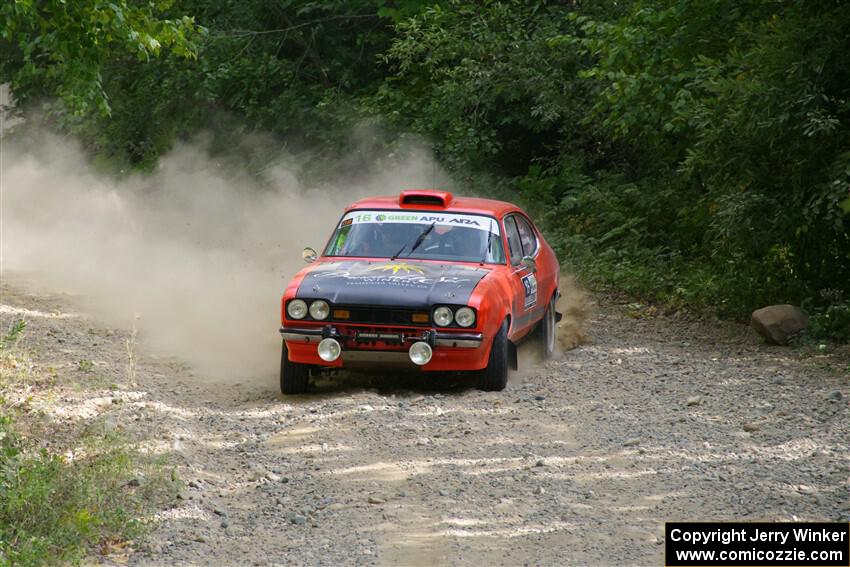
pixel 416 285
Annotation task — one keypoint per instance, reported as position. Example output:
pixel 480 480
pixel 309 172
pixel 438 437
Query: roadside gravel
pixel 578 462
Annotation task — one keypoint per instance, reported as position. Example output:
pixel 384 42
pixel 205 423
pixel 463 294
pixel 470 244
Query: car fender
pixel 492 299
pixel 291 290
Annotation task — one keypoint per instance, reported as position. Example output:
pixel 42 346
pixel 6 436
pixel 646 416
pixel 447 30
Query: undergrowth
pixel 63 499
pixel 640 239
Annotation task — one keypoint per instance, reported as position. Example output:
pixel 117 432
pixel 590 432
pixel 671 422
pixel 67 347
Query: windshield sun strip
pixel 501 236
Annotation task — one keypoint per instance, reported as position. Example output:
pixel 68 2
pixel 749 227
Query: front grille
pixel 372 336
pixel 380 315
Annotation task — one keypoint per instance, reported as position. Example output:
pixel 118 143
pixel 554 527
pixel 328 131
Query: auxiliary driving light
pixel 420 353
pixel 329 350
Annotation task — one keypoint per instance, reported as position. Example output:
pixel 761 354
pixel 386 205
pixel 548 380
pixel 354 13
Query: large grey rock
pixel 778 323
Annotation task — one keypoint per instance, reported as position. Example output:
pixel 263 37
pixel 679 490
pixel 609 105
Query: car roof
pixel 433 200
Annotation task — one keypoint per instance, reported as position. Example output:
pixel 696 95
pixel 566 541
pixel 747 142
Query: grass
pixel 54 509
pixel 63 499
pixel 13 334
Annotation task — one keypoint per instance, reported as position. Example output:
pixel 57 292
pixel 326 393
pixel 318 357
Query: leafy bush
pixel 54 509
pixel 830 317
pixel 57 504
pixel 748 105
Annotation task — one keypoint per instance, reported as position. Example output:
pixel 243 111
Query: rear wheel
pixel 495 376
pixel 293 376
pixel 547 330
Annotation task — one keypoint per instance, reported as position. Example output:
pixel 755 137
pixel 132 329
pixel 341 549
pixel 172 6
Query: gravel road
pixel 578 462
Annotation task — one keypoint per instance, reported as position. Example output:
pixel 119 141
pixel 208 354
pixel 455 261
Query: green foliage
pixel 830 317
pixel 52 509
pixel 60 497
pixel 60 47
pixel 13 334
pixel 743 111
pixel 294 70
pixel 461 76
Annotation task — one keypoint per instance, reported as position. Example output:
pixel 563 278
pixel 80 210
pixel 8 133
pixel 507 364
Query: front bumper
pixel 431 336
pixel 376 347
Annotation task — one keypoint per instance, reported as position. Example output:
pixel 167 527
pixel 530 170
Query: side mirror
pixel 309 255
pixel 529 263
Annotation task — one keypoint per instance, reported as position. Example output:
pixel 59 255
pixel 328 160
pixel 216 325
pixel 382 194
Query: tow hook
pixel 430 337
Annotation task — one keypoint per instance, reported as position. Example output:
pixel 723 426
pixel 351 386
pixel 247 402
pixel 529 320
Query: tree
pixel 749 102
pixel 60 47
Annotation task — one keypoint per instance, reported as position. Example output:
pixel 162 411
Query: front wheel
pixel 495 376
pixel 293 376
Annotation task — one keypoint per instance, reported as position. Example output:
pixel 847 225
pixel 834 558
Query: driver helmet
pixel 464 241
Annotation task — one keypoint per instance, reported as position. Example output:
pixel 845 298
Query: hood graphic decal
pixel 396 267
pixel 391 284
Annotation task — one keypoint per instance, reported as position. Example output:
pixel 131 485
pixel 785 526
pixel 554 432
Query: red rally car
pixel 425 280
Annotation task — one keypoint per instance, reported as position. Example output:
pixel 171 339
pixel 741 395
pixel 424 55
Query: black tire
pixel 495 377
pixel 293 376
pixel 546 331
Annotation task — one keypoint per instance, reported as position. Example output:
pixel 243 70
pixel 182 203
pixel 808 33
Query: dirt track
pixel 578 462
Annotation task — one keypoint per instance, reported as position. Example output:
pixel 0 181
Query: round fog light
pixel 420 353
pixel 329 350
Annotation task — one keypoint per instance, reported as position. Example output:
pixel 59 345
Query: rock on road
pixel 578 462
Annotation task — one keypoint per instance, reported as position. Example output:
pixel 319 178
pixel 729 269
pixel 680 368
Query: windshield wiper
pixel 489 243
pixel 416 242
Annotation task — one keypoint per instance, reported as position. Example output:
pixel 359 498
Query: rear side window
pixel 514 242
pixel 526 236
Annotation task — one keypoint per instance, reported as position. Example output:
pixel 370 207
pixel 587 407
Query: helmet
pixel 464 241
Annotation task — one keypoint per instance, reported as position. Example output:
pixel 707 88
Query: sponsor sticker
pixel 530 284
pixel 396 267
pixel 439 219
pixel 411 279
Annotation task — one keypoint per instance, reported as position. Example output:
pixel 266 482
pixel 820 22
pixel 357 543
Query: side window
pixel 514 243
pixel 526 236
pixel 338 241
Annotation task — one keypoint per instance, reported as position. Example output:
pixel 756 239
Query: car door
pixel 521 238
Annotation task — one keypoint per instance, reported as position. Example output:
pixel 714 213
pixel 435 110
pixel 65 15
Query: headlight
pixel 297 309
pixel 443 316
pixel 465 317
pixel 319 310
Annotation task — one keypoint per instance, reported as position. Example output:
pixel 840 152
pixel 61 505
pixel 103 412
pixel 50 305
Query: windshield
pixel 384 234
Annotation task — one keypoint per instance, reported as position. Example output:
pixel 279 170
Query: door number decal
pixel 529 282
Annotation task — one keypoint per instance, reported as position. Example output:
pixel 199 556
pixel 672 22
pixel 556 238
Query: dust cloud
pixel 195 254
pixel 575 307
